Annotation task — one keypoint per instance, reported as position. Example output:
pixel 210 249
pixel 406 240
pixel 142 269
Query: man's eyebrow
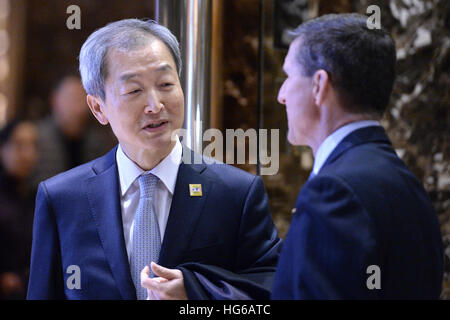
pixel 127 76
pixel 164 67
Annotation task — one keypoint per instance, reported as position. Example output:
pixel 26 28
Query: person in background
pixel 18 156
pixel 68 137
pixel 364 227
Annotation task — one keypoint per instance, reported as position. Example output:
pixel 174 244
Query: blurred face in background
pixel 19 154
pixel 68 102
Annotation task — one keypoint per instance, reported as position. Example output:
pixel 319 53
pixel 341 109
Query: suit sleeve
pixel 46 280
pixel 329 246
pixel 255 262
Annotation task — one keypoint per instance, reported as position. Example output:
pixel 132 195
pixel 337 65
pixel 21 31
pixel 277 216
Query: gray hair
pixel 127 34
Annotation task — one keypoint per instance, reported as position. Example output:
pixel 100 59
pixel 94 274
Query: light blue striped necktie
pixel 146 237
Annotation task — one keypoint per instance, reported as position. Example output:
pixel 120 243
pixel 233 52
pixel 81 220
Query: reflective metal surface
pixel 190 21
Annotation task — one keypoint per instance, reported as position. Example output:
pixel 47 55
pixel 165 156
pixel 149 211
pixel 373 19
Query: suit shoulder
pixel 227 170
pixel 71 178
pixel 366 161
pixel 229 175
pixel 325 185
pixel 378 177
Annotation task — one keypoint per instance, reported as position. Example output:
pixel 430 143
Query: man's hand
pixel 169 285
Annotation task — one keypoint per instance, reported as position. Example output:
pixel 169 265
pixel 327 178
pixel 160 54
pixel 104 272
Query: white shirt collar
pixel 166 170
pixel 331 142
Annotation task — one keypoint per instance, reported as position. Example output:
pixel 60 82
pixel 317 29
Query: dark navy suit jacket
pixel 224 242
pixel 363 208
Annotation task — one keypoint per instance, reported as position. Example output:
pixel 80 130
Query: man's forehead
pixel 161 68
pixel 294 46
pixel 290 60
pixel 153 49
pixel 156 57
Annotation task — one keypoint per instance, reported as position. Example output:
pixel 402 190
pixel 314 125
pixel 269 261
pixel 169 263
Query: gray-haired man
pixel 206 228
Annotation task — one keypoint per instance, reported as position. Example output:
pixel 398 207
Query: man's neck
pixel 330 125
pixel 147 159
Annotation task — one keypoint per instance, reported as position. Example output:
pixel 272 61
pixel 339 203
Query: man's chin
pixel 294 140
pixel 156 144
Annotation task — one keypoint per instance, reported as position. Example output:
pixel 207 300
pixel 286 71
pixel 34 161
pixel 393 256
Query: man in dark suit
pixel 138 222
pixel 363 227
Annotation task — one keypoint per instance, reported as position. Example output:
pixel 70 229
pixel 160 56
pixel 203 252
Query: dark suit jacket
pixel 363 208
pixel 224 242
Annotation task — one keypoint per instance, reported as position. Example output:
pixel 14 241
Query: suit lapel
pixel 184 213
pixel 357 137
pixel 104 199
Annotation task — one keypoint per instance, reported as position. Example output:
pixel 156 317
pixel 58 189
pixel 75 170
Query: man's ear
pixel 321 84
pixel 97 108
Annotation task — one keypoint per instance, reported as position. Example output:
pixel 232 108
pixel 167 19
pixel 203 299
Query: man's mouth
pixel 156 125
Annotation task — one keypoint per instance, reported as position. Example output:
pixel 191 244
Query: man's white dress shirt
pixel 331 142
pixel 166 171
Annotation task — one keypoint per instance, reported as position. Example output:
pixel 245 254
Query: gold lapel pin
pixel 195 190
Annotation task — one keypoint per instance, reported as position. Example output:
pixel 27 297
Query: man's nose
pixel 154 105
pixel 281 99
